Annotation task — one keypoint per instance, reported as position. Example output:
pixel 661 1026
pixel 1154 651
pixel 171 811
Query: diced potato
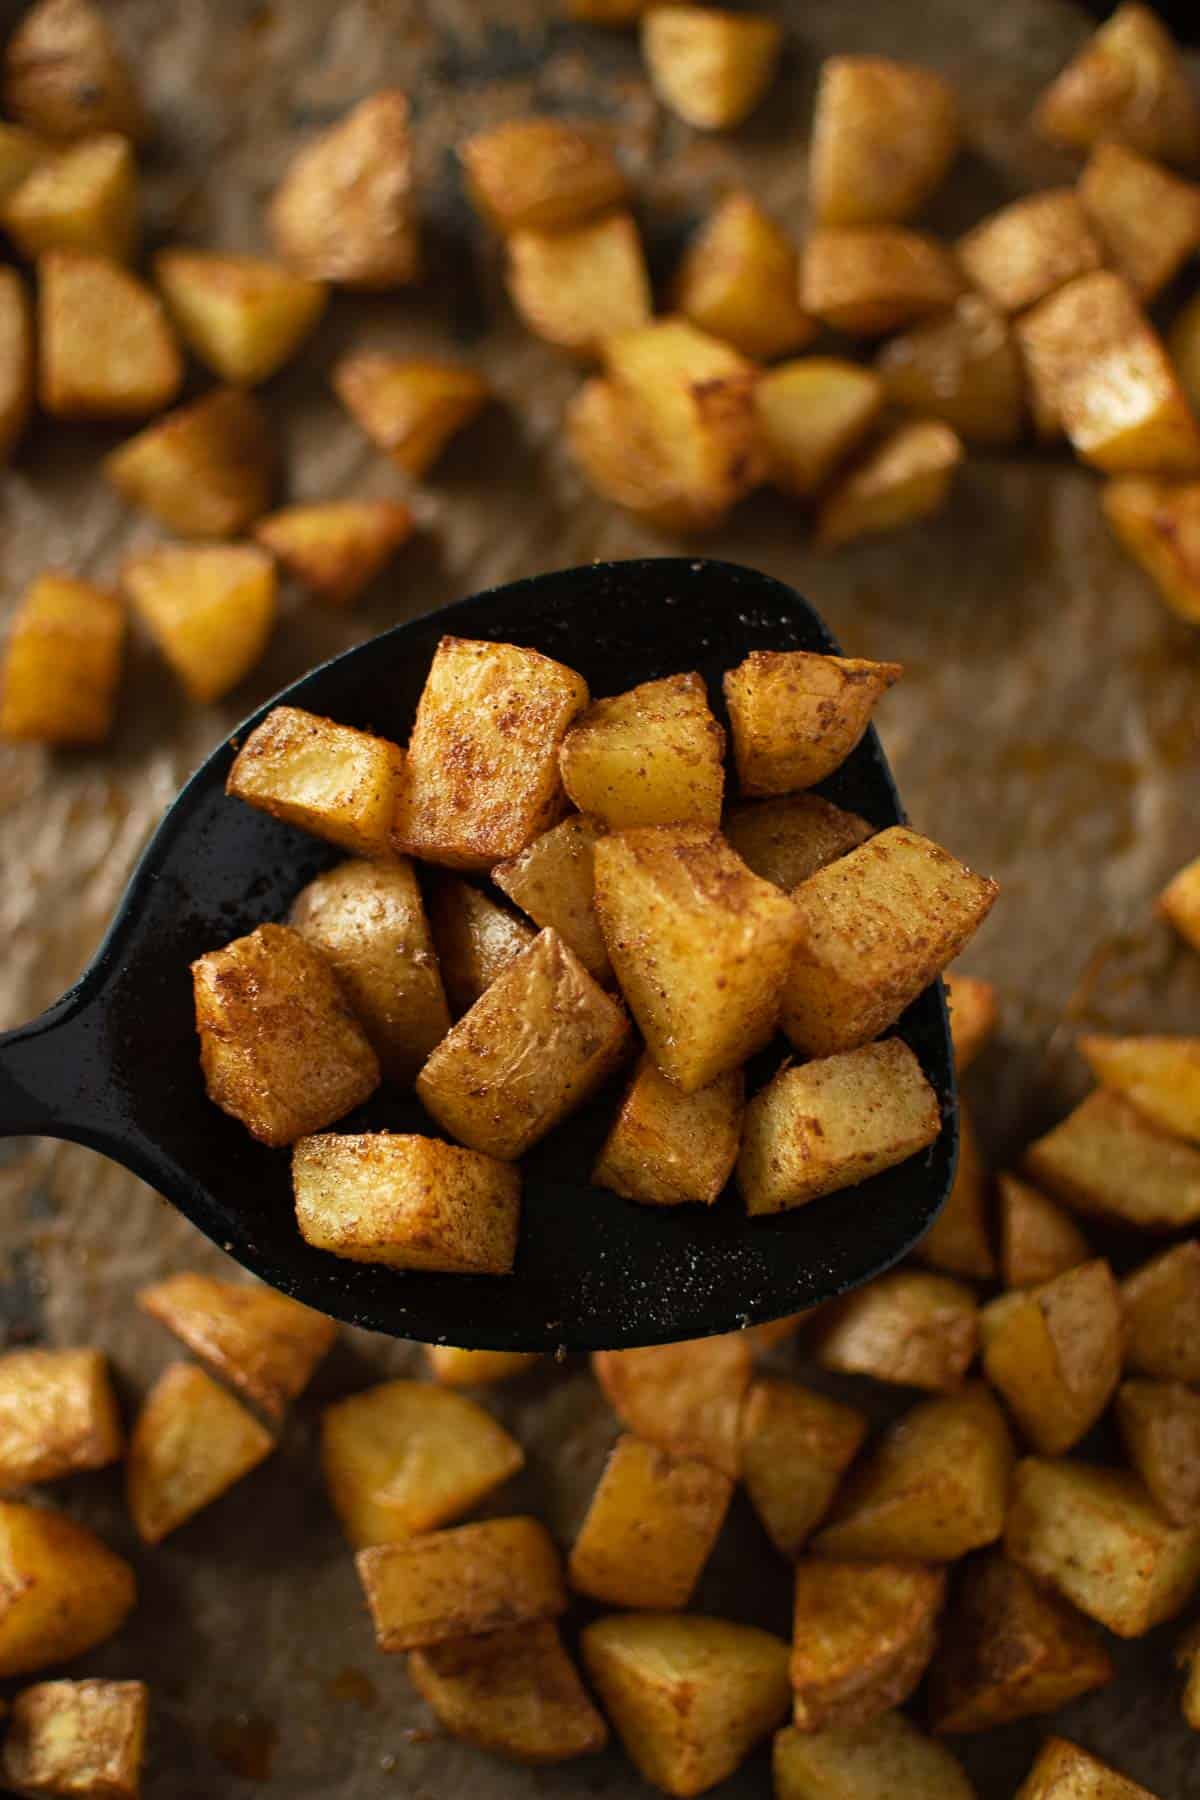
pixel 206 470
pixel 665 1147
pixel 811 414
pixel 62 663
pixel 1147 219
pixel 16 361
pixel 1098 1538
pixel 1097 365
pixel 652 756
pixel 1037 1239
pixel 772 1332
pixel 21 152
pixel 541 174
pixel 369 920
pixel 935 1487
pixel 686 1397
pixel 259 1342
pixel 553 881
pixel 58 1415
pixel 105 349
pixel 191 1443
pixel 404 1457
pixel 878 1761
pixel 884 134
pixel 1105 1159
pixel 974 1011
pixel 335 548
pixel 909 1327
pixel 867 280
pixel 407 1202
pixel 959 1241
pixel 1159 1075
pixel 1128 84
pixel 1161 1301
pixel 1054 1352
pixel 321 777
pixel 410 407
pixel 279 1046
pixel 83 1738
pixel 648 1531
pixel 906 478
pixel 1158 523
pixel 576 288
pixel 64 75
pixel 84 199
pixel 689 1697
pixel 1180 903
pixel 738 281
pixel 62 1591
pixel 709 67
pixel 876 927
pixel 1063 1771
pixel 1160 1424
pixel 476 1368
pixel 1029 248
pixel 862 1638
pixel 700 946
pixel 210 608
pixel 787 839
pixel 242 315
pixel 345 211
pixel 796 715
pixel 963 368
pixel 795 1447
pixel 514 1693
pixel 475 940
pixel 461 1583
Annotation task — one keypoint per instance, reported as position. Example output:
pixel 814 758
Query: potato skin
pixel 1104 1159
pixel 795 1448
pixel 868 280
pixel 685 1397
pixel 514 1693
pixel 796 716
pixel 918 1329
pixel 665 1147
pixel 862 1637
pixel 461 1583
pixel 884 134
pixel 553 880
pixel 787 838
pixel 475 939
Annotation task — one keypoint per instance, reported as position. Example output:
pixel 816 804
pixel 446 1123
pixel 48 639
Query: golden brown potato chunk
pixel 666 1147
pixel 410 407
pixel 652 756
pixel 461 1583
pixel 1063 1771
pixel 62 663
pixel 336 548
pixel 934 1488
pixel 476 1368
pixel 280 1048
pixel 210 608
pixel 709 67
pixel 105 349
pixel 21 152
pixel 795 1447
pixel 576 288
pixel 1128 84
pixel 16 361
pixel 191 1443
pixel 974 1010
pixel 206 470
pixel 811 414
pixel 907 477
pixel 368 919
pixel 1037 1238
pixel 1098 1537
pixel 407 1202
pixel 65 77
pixel 553 881
pixel 58 1415
pixel 1030 248
pixel 242 315
pixel 1147 219
pixel 796 715
pixel 1179 902
pixel 909 1327
pixel 1160 1424
pixel 84 199
pixel 260 1342
pixel 345 211
pixel 959 1240
pixel 540 174
pixel 1161 1301
pixel 884 134
pixel 1105 1159
pixel 686 1397
pixel 613 447
pixel 83 1738
pixel 862 1638
pixel 738 281
pixel 963 368
pixel 688 1697
pixel 1054 1353
pixel 867 280
pixel 700 946
pixel 1159 1075
pixel 404 1457
pixel 648 1531
pixel 321 777
pixel 1010 1650
pixel 514 1693
pixel 475 940
pixel 1158 522
pixel 787 839
pixel 64 1591
pixel 878 1761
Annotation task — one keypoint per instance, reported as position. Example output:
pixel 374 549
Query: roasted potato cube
pixel 795 1447
pixel 884 134
pixel 689 1697
pixel 576 288
pixel 772 1332
pixel 481 776
pixel 553 881
pixel 64 1591
pixel 878 1761
pixel 1160 1423
pixel 796 715
pixel 648 1531
pixel 1105 1159
pixel 206 470
pixel 259 1342
pixel 461 1583
pixel 1054 1352
pixel 191 1443
pixel 811 414
pixel 1098 1537
pixel 917 1329
pixel 863 1636
pixel 407 1202
pixel 959 1241
pixel 1063 1771
pixel 321 777
pixel 1161 1302
pixel 1159 1075
pixel 58 1415
pixel 404 1457
pixel 1029 248
pixel 867 280
pixel 787 839
pixel 1128 85
pixel 1147 219
pixel 738 281
pixel 974 1011
pixel 85 199
pixel 65 77
pixel 242 315
pixel 476 1368
pixel 337 547
pixel 16 361
pixel 1037 1238
pixel 935 1487
pixel 666 1148
pixel 475 940
pixel 685 1397
pixel 613 446
pixel 345 211
pixel 905 478
pixel 514 1693
pixel 1158 522
pixel 963 368
pixel 652 756
pixel 279 1046
pixel 368 919
pixel 410 407
pixel 62 663
pixel 700 946
pixel 105 349
pixel 1179 902
pixel 540 174
pixel 84 1738
pixel 710 68
pixel 21 152
pixel 210 608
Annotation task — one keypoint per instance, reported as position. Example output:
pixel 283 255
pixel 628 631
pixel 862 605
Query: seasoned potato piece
pixel 337 547
pixel 1105 1159
pixel 540 174
pixel 16 361
pixel 1054 1352
pixel 862 1638
pixel 612 445
pixel 959 1242
pixel 105 349
pixel 407 1202
pixel 773 1332
pixel 410 407
pixel 1161 1300
pixel 935 1487
pixel 876 927
pixel 909 1327
pixel 321 777
pixel 811 414
pixel 242 315
pixel 514 1693
pixel 1158 522
pixel 404 1457
pixel 280 1049
pixel 795 1447
pixel 65 76
pixel 369 920
pixel 867 280
pixel 787 839
pixel 83 1738
pixel 345 211
pixel 666 1147
pixel 974 1011
pixel 648 1531
pixel 1029 248
pixel 1179 902
pixel 1037 1238
pixel 576 288
pixel 1098 1537
pixel 476 1368
pixel 1147 219
pixel 652 756
pixel 905 478
pixel 709 67
pixel 686 1397
pixel 191 1443
pixel 21 152
pixel 62 663
pixel 62 1591
pixel 796 715
pixel 1160 1423
pixel 688 1696
pixel 884 134
pixel 700 946
pixel 475 940
pixel 206 470
pixel 461 1583
pixel 210 608
pixel 878 1761
pixel 738 281
pixel 1159 1075
pixel 58 1415
pixel 260 1342
pixel 1129 85
pixel 84 199
pixel 1063 1771
pixel 553 881
pixel 963 368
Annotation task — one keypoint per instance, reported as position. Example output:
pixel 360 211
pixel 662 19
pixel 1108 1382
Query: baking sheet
pixel 1048 730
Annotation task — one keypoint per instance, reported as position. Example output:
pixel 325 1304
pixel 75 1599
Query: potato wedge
pixel 910 1327
pixel 105 349
pixel 21 152
pixel 812 413
pixel 862 1638
pixel 878 1761
pixel 1161 1302
pixel 1030 248
pixel 65 76
pixel 336 548
pixel 540 174
pixel 884 134
pixel 1063 1771
pixel 1158 1075
pixel 206 470
pixel 1158 523
pixel 974 1015
pixel 192 1442
pixel 242 315
pixel 1128 85
pixel 514 1693
pixel 649 1528
pixel 710 68
pixel 475 940
pixel 795 1447
pixel 456 1368
pixel 1160 1426
pixel 553 881
pixel 787 839
pixel 959 1240
pixel 210 608
pixel 63 1590
pixel 321 777
pixel 907 477
pixel 963 368
pixel 685 1397
pixel 868 280
pixel 665 1147
pixel 1038 1240
pixel 796 716
pixel 82 1738
pixel 1146 219
pixel 410 407
pixel 577 288
pixel 1105 1159
pixel 738 281
pixel 259 1342
pixel 58 1415
pixel 62 663
pixel 1054 1352
pixel 16 361
pixel 652 756
pixel 85 199
pixel 1179 903
pixel 461 1583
